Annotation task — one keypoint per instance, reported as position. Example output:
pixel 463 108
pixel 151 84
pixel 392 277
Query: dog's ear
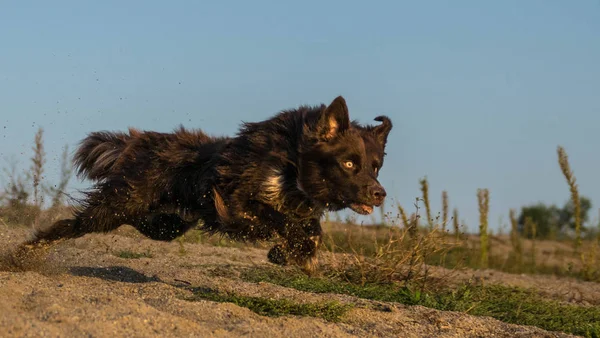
pixel 334 119
pixel 382 131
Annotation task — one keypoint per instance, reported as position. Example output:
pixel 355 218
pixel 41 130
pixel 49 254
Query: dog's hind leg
pixel 61 229
pixel 103 212
pixel 163 227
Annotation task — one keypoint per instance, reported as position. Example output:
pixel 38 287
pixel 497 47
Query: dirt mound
pixel 114 285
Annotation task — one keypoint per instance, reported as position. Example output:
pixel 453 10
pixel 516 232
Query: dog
pixel 273 178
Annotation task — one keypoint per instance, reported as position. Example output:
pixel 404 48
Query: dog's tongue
pixel 362 208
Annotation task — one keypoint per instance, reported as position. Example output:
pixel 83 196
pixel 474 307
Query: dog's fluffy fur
pixel 275 177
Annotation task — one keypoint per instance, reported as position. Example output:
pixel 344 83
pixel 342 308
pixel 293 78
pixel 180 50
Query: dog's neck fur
pixel 275 179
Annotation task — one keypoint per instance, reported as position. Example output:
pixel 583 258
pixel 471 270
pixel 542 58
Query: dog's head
pixel 341 161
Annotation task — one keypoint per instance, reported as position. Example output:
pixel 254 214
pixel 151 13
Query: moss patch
pixel 330 311
pixel 133 255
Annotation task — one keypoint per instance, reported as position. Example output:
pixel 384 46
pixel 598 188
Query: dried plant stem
pixel 455 223
pixel 484 200
pixel 37 166
pixel 425 193
pixel 563 161
pixel 444 210
pixel 516 239
pixel 531 228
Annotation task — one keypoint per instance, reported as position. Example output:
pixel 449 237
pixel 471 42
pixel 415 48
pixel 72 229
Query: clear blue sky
pixel 480 92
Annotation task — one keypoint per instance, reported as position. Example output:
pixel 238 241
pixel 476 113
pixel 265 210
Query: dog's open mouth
pixel 362 209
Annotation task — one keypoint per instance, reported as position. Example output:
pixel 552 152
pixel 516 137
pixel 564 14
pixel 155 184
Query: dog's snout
pixel 377 193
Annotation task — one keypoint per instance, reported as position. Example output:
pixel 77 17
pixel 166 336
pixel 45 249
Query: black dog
pixel 278 176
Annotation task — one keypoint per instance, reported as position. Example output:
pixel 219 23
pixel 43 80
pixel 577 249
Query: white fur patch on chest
pixel 276 192
pixel 272 188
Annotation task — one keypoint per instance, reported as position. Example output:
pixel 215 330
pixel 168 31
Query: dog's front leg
pixel 301 240
pixel 315 232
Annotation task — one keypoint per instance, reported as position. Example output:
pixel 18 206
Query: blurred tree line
pixel 552 222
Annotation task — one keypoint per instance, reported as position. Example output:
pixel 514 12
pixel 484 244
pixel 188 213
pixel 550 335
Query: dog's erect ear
pixel 382 130
pixel 334 119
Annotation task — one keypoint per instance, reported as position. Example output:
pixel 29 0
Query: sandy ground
pixel 82 289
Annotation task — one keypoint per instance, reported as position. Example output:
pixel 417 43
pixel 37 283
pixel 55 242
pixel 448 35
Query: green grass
pixel 511 305
pixel 526 307
pixel 330 311
pixel 133 255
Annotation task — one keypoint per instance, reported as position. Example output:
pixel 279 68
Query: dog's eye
pixel 349 164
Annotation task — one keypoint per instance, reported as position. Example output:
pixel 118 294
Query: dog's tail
pixel 98 153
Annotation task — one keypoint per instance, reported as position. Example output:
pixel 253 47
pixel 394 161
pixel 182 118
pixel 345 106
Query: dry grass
pixel 483 198
pixel 589 261
pixel 563 161
pixel 515 239
pixel 444 210
pixel 425 192
pixel 66 171
pixel 375 254
pixel 455 223
pixel 531 229
pixel 23 196
pixel 37 167
pixel 403 217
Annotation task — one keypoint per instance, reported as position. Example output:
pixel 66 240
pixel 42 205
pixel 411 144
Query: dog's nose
pixel 377 193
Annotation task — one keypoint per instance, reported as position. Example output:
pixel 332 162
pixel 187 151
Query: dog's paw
pixel 304 249
pixel 278 255
pixel 309 266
